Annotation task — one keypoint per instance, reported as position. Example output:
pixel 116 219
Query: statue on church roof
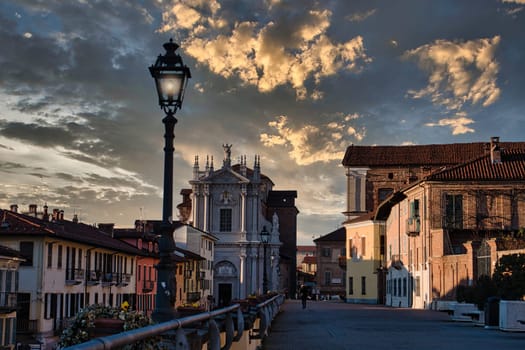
pixel 227 154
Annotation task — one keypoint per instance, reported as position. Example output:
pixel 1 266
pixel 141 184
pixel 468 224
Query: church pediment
pixel 226 176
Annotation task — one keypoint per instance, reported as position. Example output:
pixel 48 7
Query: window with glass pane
pixel 383 193
pixel 454 211
pixel 225 220
pixel 327 278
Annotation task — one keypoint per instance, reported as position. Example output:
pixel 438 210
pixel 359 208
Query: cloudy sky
pixel 295 81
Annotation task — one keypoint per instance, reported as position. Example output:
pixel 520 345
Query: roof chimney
pixel 107 228
pixel 75 218
pixel 32 209
pixel 55 214
pixel 495 151
pixel 45 216
pixel 14 208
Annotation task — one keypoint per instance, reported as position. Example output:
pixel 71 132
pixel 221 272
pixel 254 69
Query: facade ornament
pixel 275 223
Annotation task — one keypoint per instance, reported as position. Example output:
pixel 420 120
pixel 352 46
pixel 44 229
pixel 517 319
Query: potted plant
pixel 189 309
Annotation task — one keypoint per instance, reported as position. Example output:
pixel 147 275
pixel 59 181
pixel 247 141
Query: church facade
pixel 232 204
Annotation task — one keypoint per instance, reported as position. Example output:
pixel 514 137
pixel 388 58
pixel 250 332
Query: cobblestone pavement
pixel 336 325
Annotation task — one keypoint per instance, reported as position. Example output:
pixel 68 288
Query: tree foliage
pixel 509 276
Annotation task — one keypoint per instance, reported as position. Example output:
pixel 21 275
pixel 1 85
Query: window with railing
pixel 148 286
pixel 413 221
pixel 75 276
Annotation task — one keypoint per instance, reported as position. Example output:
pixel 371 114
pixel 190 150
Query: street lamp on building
pixel 265 238
pixel 171 78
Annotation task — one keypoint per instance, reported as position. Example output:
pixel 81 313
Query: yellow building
pixel 364 254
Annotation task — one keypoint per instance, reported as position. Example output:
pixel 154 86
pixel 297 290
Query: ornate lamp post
pixel 265 238
pixel 171 78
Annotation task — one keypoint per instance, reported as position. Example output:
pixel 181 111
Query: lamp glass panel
pixel 171 86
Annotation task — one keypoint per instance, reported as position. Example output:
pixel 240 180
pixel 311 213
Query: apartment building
pixel 331 263
pixel 450 228
pixel 68 265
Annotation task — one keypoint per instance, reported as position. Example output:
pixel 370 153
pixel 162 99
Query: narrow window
pixel 350 285
pixel 225 220
pixel 363 285
pixel 49 255
pixel 454 211
pixel 327 278
pixel 59 257
pixel 26 249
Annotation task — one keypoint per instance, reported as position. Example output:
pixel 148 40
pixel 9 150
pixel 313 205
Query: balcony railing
pixel 148 286
pixel 109 279
pixel 123 279
pixel 413 226
pixel 93 277
pixel 74 276
pixel 26 326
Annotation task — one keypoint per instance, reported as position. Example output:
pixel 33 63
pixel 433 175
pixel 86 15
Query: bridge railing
pixel 228 325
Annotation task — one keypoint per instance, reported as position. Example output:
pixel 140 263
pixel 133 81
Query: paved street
pixel 335 325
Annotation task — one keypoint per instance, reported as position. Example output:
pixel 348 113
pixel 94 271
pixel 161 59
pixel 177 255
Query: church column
pixel 254 287
pixel 195 206
pixel 243 211
pixel 205 208
pixel 242 275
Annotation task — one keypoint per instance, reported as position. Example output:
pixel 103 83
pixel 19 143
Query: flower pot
pixel 106 326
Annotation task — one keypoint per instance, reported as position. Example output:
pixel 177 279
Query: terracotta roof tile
pixel 511 167
pixel 436 155
pixel 20 224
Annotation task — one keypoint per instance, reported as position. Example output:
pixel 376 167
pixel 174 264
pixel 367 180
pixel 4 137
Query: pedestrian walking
pixel 304 295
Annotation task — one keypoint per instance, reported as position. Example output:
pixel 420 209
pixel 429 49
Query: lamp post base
pixel 166 279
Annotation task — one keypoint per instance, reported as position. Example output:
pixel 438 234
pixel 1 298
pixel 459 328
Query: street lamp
pixel 265 238
pixel 171 78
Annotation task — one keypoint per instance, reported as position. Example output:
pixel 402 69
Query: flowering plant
pixel 78 330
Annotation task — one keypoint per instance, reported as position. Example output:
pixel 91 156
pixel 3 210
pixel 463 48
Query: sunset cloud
pixel 458 124
pixel 267 53
pixel 309 143
pixel 361 16
pixel 459 72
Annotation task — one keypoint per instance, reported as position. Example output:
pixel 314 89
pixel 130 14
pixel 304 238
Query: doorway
pixel 225 294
